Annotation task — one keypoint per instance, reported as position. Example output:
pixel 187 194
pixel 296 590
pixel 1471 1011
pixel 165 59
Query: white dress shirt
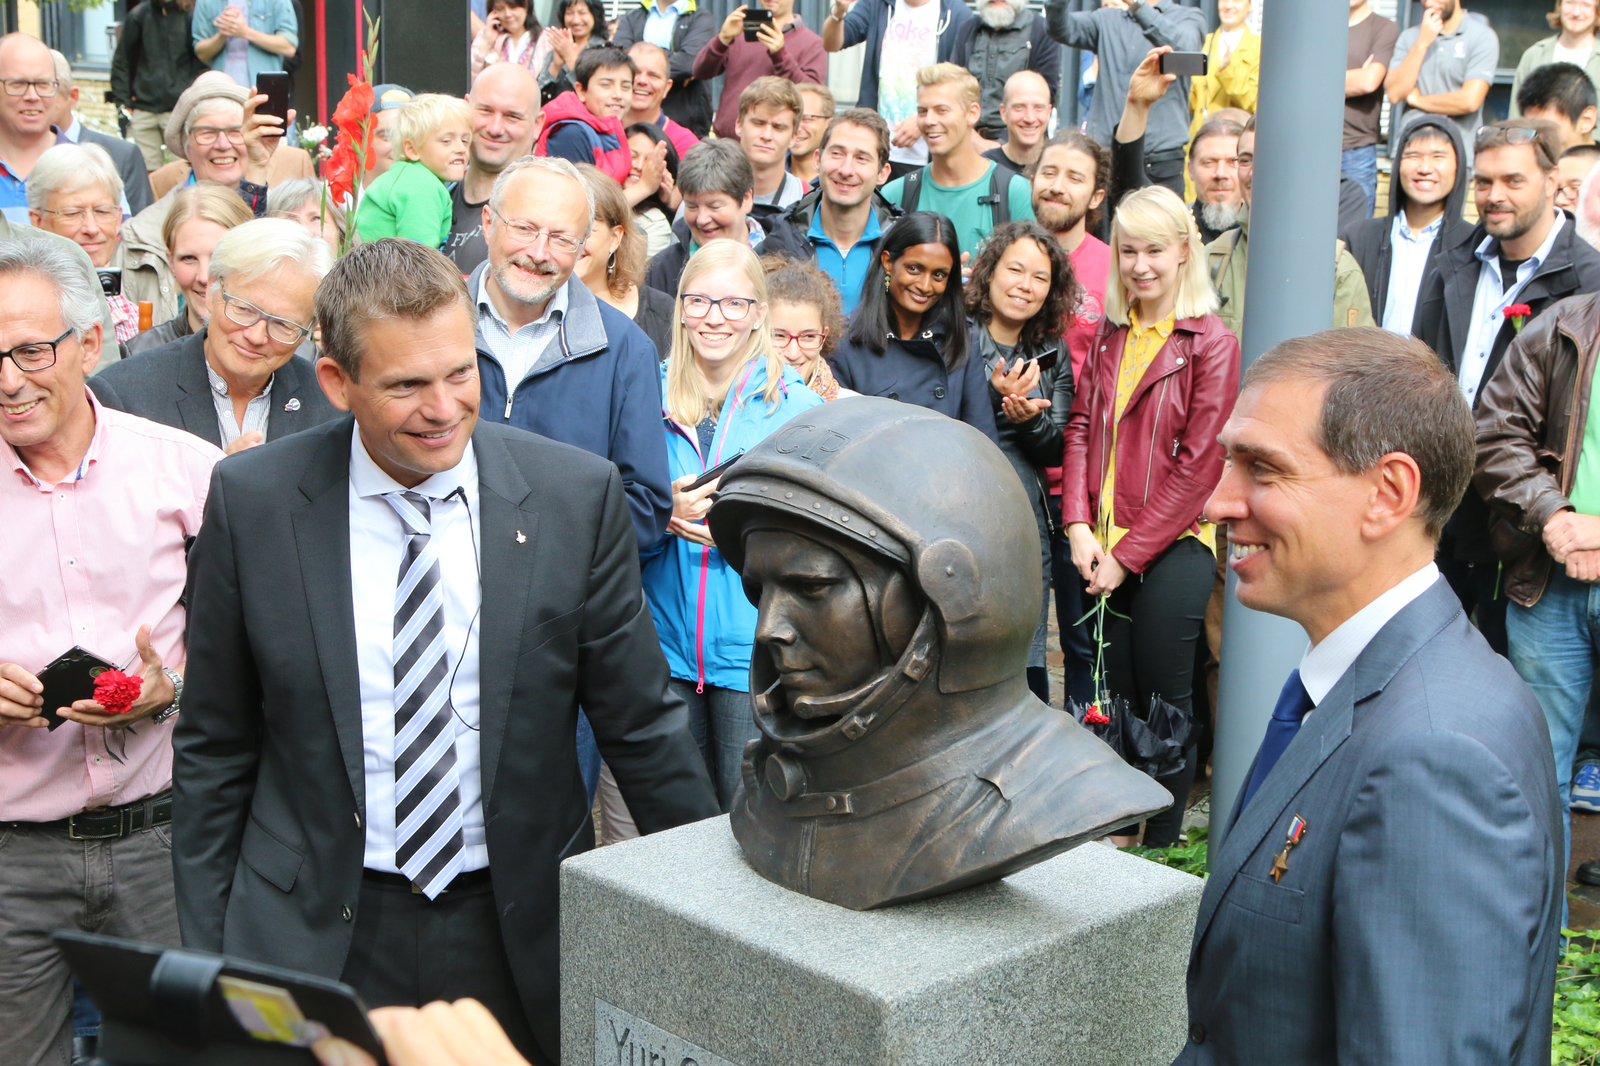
pixel 661 20
pixel 1408 258
pixel 520 351
pixel 256 411
pixel 1324 664
pixel 1488 303
pixel 377 545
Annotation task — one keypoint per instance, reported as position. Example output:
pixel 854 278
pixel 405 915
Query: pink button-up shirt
pixel 88 561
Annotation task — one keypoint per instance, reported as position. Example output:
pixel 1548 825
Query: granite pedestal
pixel 674 952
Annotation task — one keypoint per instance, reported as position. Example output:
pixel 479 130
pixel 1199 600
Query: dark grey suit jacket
pixel 170 385
pixel 130 164
pixel 268 779
pixel 1420 914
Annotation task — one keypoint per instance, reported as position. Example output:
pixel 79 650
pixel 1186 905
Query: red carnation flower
pixel 1094 717
pixel 1517 311
pixel 116 691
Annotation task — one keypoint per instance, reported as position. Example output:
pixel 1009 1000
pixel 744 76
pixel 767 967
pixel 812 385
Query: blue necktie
pixel 1294 703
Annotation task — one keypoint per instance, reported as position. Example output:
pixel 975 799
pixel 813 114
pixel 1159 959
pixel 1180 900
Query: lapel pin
pixel 522 538
pixel 293 404
pixel 1280 861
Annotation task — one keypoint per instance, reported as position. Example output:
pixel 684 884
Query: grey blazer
pixel 130 164
pixel 169 385
pixel 1419 916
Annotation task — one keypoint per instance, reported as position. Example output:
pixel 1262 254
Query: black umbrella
pixel 1154 743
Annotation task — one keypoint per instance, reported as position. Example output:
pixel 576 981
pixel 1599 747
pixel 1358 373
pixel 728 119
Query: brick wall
pixel 93 111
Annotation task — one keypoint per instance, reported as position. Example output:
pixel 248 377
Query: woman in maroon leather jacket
pixel 1141 458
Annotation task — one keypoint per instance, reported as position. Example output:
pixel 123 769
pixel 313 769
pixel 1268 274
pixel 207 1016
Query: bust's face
pixel 815 621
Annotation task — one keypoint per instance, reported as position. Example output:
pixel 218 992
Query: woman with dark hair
pixel 574 26
pixel 658 184
pixel 1020 297
pixel 510 34
pixel 908 337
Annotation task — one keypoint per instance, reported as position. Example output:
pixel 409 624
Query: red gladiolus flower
pixel 341 172
pixel 116 691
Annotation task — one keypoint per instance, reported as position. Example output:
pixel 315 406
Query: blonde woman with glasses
pixel 725 388
pixel 1141 458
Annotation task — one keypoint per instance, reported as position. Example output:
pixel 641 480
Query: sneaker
pixel 1586 788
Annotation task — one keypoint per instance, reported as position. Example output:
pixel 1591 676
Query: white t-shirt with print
pixel 910 41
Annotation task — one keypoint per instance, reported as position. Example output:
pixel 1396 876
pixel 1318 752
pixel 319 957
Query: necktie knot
pixel 1294 702
pixel 412 507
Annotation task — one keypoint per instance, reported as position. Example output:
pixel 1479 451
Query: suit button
pixel 344 912
pixel 938 392
pixel 1197 1033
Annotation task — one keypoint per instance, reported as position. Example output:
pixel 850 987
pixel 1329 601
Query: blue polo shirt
pixel 14 190
pixel 849 272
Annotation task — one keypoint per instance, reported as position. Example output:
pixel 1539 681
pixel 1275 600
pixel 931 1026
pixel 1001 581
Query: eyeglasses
pixel 809 341
pixel 20 86
pixel 810 118
pixel 37 355
pixel 528 235
pixel 244 313
pixel 733 308
pixel 207 135
pixel 1497 136
pixel 105 214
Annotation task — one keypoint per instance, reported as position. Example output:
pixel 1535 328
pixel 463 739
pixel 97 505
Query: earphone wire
pixel 478 564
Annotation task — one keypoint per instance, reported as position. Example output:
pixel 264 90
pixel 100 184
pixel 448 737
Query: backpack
pixel 998 200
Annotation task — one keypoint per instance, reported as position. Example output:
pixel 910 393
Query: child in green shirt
pixel 410 198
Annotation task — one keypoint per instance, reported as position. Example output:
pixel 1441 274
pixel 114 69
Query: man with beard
pixel 1025 109
pixel 1005 38
pixel 1214 169
pixel 651 86
pixel 840 223
pixel 553 359
pixel 1522 251
pixel 1426 192
pixel 505 122
pixel 1451 79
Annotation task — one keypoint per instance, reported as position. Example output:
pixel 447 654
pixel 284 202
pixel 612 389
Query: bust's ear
pixel 901 611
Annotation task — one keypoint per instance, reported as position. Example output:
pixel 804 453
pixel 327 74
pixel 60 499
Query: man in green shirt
pixel 958 182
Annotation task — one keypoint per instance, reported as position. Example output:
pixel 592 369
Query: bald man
pixel 1025 110
pixel 25 121
pixel 505 125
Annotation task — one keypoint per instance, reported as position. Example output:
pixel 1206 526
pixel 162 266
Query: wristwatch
pixel 833 13
pixel 177 696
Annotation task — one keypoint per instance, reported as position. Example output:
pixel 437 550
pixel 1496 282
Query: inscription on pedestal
pixel 623 1039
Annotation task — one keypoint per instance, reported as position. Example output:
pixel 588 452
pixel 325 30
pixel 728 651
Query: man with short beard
pixel 505 122
pixel 1214 169
pixel 1005 38
pixel 553 359
pixel 1025 109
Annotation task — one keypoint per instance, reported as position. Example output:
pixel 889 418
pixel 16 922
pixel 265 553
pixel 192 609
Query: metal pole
pixel 1293 224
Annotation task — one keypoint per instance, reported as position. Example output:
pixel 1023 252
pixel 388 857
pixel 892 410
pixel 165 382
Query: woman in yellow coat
pixel 1234 70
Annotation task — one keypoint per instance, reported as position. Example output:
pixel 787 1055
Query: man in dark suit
pixel 393 620
pixel 1390 886
pixel 125 154
pixel 1524 250
pixel 238 382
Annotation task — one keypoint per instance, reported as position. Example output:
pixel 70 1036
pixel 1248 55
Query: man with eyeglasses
pixel 1524 251
pixel 28 90
pixel 238 382
pixel 98 508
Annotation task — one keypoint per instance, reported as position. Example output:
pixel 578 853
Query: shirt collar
pixel 1163 328
pixel 1402 229
pixel 73 132
pixel 871 233
pixel 1324 664
pixel 90 457
pixel 674 8
pixel 1488 252
pixel 369 480
pixel 220 387
pixel 556 307
pixel 754 239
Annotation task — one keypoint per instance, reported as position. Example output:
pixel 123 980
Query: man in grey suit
pixel 125 154
pixel 1390 886
pixel 238 382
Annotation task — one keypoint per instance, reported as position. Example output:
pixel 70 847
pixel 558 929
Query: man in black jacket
pixel 1524 251
pixel 1007 36
pixel 152 65
pixel 1426 191
pixel 688 102
pixel 380 788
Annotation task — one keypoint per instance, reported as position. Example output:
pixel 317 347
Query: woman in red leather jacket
pixel 1141 458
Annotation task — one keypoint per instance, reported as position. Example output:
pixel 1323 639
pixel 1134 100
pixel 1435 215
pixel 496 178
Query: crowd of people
pixel 555 308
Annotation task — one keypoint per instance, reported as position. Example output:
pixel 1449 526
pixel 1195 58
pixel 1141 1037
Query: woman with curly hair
pixel 806 321
pixel 1019 300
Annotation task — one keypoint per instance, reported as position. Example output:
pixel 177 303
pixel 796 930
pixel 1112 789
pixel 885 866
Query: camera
pixel 110 280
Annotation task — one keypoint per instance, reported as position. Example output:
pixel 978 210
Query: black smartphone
pixel 715 472
pixel 754 17
pixel 276 85
pixel 1047 360
pixel 1186 64
pixel 69 679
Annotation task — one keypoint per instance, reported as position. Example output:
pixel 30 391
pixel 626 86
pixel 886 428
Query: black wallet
pixel 69 679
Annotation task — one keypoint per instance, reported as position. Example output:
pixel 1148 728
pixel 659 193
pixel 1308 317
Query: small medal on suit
pixel 1280 861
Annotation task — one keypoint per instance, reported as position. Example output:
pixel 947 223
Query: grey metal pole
pixel 1293 225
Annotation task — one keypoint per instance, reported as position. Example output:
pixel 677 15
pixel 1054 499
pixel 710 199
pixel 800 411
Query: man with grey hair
pixel 1006 37
pixel 1420 797
pixel 555 360
pixel 1214 169
pixel 98 508
pixel 396 616
pixel 719 188
pixel 238 382
pixel 125 154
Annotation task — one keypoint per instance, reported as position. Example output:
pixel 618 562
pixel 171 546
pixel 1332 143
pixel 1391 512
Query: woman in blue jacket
pixel 724 388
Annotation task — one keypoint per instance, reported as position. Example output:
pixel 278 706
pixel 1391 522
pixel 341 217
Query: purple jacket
pixel 802 59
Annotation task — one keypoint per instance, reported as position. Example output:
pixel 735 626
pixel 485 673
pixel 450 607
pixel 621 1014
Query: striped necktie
pixel 427 817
